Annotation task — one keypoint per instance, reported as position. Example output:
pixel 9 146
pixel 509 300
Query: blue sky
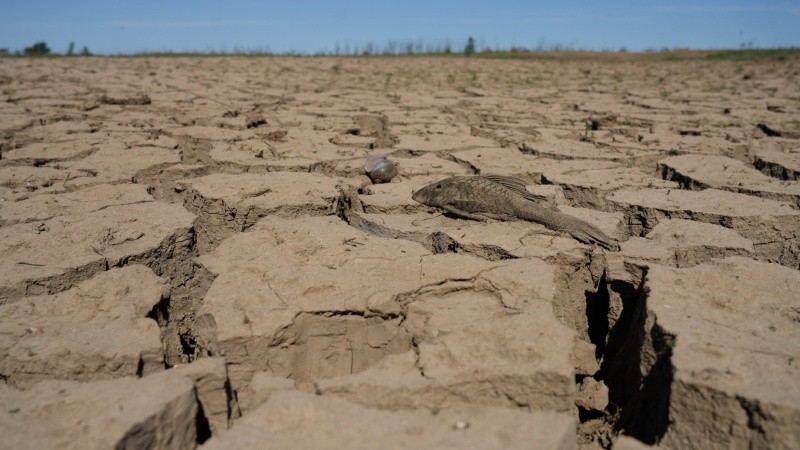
pixel 110 27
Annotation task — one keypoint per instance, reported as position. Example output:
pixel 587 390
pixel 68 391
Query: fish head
pixel 438 194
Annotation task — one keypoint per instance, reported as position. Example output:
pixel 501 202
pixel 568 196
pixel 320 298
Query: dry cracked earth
pixel 191 254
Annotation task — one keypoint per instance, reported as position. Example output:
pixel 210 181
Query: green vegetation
pixel 750 54
pixel 37 49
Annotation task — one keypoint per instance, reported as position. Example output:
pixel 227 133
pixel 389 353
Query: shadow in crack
pixel 597 308
pixel 650 418
pixel 637 366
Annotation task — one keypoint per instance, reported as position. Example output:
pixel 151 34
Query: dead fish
pixel 505 198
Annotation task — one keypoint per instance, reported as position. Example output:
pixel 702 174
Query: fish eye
pixel 438 186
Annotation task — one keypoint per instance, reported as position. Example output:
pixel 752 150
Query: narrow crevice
pixel 649 416
pixel 685 182
pixel 775 170
pixel 597 310
pixel 354 313
pixel 637 366
pixel 179 336
pixel 202 426
pixel 140 368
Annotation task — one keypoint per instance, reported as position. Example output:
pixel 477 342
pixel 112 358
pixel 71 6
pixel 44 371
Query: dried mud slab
pixel 114 165
pixel 210 378
pixel 84 201
pixel 258 301
pixel 97 330
pixel 508 161
pixel 772 226
pixel 719 172
pixel 62 131
pixel 432 140
pixel 335 284
pixel 226 203
pixel 261 388
pixel 589 188
pixel 471 351
pixel 697 242
pixel 55 254
pixel 716 341
pixel 293 419
pixel 156 412
pixel 555 146
pixel 679 243
pixel 22 182
pixel 41 153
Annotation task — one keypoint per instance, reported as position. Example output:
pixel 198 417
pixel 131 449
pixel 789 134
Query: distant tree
pixel 469 49
pixel 71 49
pixel 4 52
pixel 38 49
pixel 85 51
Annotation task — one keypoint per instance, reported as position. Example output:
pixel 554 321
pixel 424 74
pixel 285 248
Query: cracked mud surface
pixel 192 254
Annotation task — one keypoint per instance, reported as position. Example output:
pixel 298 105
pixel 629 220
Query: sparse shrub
pixel 38 49
pixel 85 51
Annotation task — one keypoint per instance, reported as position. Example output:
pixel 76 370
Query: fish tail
pixel 578 229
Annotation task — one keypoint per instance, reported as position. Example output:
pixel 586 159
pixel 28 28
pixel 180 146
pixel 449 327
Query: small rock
pixel 583 358
pixel 379 168
pixel 461 425
pixel 592 395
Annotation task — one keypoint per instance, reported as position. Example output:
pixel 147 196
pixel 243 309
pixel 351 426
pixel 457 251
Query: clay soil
pixel 191 254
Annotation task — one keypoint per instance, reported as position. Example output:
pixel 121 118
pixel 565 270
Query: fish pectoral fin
pixel 474 216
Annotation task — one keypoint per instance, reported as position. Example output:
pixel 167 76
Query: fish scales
pixel 505 198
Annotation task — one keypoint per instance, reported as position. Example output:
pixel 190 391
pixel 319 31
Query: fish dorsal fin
pixel 515 185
